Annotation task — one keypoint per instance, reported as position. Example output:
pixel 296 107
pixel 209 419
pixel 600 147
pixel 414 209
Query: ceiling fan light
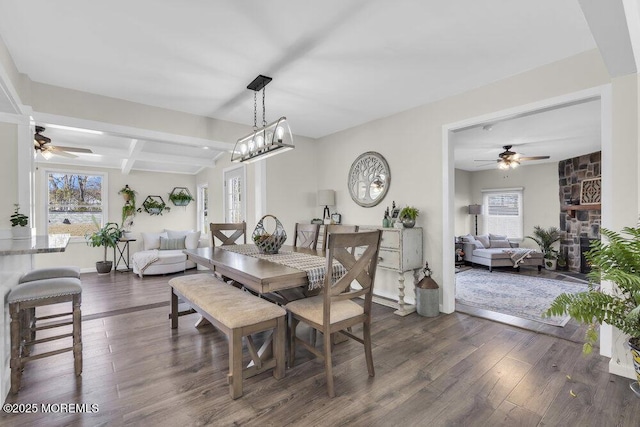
pixel 46 154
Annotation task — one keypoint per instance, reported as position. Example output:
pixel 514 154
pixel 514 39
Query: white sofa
pixel 496 251
pixel 163 252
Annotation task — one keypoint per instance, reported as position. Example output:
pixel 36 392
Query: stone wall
pixel 585 223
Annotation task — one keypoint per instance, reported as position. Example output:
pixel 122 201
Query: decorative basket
pixel 269 243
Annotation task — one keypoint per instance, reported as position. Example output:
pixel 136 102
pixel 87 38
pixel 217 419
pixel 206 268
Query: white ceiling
pixel 335 64
pixel 561 133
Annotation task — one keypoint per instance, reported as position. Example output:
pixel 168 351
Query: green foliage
pixel 409 212
pixel 617 261
pixel 18 219
pixel 129 207
pixel 180 198
pixel 106 236
pixel 545 238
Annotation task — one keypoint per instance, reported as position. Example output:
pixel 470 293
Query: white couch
pixel 496 251
pixel 163 252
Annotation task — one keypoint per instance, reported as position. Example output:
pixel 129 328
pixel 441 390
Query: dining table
pixel 260 274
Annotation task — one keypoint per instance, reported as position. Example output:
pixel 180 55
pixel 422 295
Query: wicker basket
pixel 269 243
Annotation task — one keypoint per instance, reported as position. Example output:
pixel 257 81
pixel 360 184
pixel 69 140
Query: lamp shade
pixel 326 197
pixel 475 209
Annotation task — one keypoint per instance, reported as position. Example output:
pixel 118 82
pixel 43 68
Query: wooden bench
pixel 237 314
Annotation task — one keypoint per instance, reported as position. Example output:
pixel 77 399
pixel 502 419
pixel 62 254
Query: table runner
pixel 313 265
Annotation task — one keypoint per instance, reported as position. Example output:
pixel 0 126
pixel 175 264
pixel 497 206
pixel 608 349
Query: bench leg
pixel 235 363
pixel 174 310
pixel 16 338
pixel 77 335
pixel 279 338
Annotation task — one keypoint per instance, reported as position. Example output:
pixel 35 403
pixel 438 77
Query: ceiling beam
pixel 134 150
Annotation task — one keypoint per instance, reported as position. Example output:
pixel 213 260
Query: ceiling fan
pixel 42 145
pixel 510 159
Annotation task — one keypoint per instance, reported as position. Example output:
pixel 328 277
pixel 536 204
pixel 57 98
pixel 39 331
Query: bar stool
pixel 45 273
pixel 23 299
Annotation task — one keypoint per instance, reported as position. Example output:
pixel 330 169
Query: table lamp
pixel 326 198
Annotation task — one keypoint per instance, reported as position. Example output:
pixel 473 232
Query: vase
pixel 104 267
pixel 408 223
pixel 21 233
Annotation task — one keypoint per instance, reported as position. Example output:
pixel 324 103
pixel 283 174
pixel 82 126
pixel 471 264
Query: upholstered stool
pixel 27 296
pixel 50 273
pixel 44 273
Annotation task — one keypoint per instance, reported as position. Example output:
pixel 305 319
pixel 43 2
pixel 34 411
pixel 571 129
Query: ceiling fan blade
pixel 58 152
pixel 533 158
pixel 486 160
pixel 73 149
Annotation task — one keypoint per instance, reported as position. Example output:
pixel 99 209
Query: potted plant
pixel 107 237
pixel 545 238
pixel 19 224
pixel 154 205
pixel 128 194
pixel 617 261
pixel 408 216
pixel 129 207
pixel 180 196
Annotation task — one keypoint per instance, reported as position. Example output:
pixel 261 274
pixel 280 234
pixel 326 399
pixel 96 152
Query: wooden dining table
pixel 259 275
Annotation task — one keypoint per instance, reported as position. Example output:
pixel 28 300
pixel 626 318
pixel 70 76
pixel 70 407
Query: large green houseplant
pixel 106 236
pixel 545 238
pixel 617 261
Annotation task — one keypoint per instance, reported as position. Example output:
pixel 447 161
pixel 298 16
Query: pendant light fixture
pixel 266 141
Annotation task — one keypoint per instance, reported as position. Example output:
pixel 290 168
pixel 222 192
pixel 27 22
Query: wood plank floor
pixel 449 370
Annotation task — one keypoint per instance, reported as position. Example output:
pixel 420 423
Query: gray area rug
pixel 517 295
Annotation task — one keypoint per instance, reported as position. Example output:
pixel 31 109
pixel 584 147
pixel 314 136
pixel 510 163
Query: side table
pixel 122 246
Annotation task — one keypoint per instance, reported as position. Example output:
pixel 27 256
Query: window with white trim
pixel 502 211
pixel 75 202
pixel 203 208
pixel 234 195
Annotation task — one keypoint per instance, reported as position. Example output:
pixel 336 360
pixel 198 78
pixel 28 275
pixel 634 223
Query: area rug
pixel 522 296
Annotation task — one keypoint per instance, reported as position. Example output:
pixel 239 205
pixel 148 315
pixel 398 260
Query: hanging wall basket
pixel 269 243
pixel 180 196
pixel 154 205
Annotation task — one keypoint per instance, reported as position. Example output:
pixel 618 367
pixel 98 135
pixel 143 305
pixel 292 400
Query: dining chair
pixel 306 235
pixel 221 231
pixel 335 311
pixel 337 228
pixel 228 233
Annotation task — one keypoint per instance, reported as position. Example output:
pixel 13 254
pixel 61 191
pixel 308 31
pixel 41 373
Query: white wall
pixel 540 204
pixel 464 223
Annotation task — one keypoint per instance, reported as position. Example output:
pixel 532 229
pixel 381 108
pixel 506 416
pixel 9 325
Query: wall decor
pixel 180 196
pixel 369 179
pixel 590 191
pixel 154 205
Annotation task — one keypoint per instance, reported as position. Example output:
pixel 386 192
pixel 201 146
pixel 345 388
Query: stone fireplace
pixel 581 222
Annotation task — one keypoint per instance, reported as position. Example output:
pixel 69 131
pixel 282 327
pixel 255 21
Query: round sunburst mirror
pixel 369 179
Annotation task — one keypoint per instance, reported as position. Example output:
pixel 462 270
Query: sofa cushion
pixel 484 239
pixel 497 236
pixel 171 257
pixel 171 243
pixel 500 244
pixel 192 238
pixel 152 240
pixel 491 254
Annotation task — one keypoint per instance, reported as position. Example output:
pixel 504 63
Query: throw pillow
pixel 468 238
pixel 478 244
pixel 500 244
pixel 152 240
pixel 497 237
pixel 484 239
pixel 171 244
pixel 192 240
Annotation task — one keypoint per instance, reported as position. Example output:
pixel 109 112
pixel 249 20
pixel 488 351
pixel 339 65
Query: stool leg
pixel 16 338
pixel 77 335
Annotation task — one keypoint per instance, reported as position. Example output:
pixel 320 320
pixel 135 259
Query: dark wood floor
pixel 449 370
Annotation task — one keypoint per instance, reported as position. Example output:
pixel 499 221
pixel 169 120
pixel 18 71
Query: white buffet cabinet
pixel 400 251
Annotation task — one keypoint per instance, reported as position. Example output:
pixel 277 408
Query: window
pixel 203 208
pixel 502 210
pixel 74 201
pixel 234 194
